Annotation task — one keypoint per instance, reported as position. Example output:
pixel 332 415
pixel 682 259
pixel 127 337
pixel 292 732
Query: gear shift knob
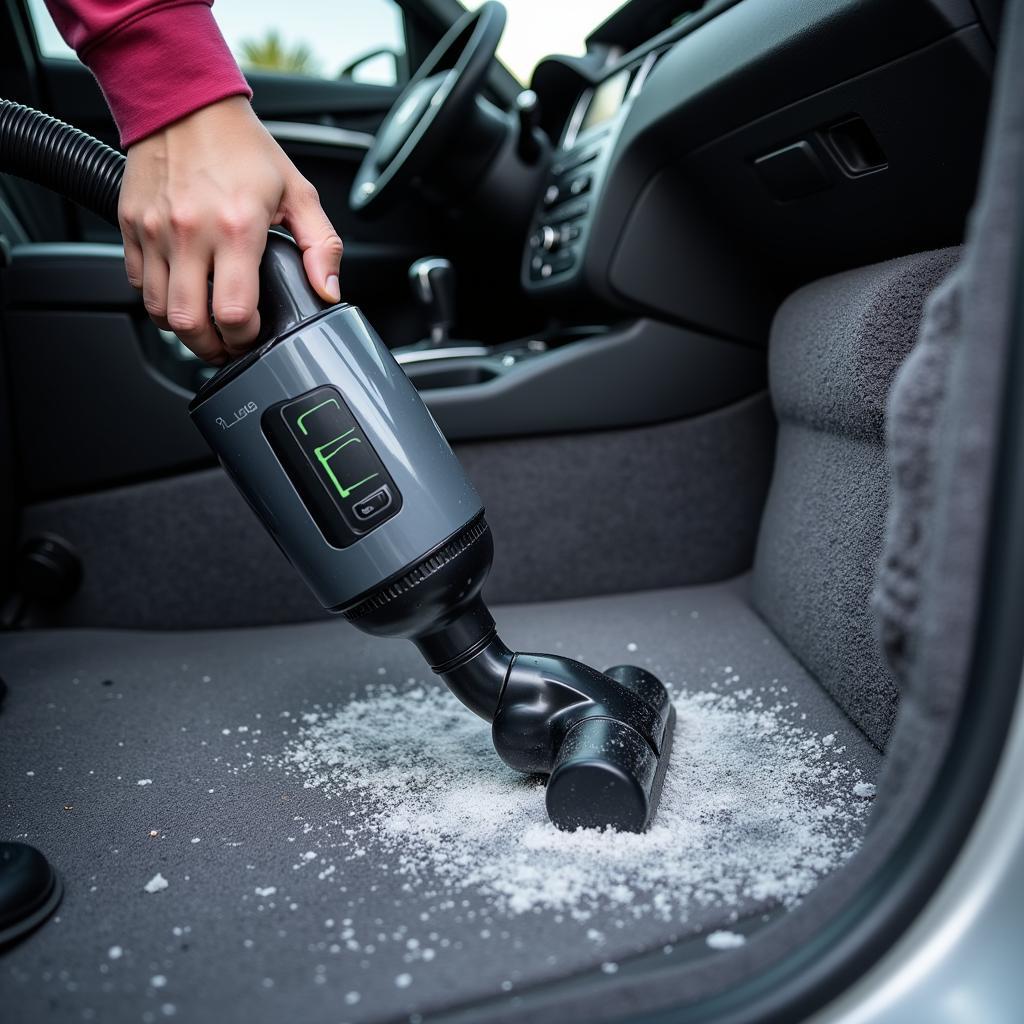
pixel 433 283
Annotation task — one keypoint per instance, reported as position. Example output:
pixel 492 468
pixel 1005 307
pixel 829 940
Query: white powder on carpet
pixel 754 809
pixel 725 940
pixel 156 884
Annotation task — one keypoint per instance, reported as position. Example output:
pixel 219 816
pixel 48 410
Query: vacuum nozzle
pixel 603 738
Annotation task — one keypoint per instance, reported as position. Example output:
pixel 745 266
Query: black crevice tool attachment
pixel 604 739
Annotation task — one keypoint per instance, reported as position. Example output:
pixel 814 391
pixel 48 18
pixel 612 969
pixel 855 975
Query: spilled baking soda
pixel 755 809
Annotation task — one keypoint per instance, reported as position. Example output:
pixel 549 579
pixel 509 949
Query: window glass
pixel 537 28
pixel 47 36
pixel 360 40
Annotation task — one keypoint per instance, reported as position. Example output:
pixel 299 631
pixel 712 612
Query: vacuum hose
pixel 332 446
pixel 49 152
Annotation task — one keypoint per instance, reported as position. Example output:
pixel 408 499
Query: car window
pixel 537 28
pixel 360 40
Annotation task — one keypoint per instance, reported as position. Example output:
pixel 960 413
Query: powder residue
pixel 755 808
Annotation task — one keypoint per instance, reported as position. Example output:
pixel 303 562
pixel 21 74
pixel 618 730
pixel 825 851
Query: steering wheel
pixel 430 109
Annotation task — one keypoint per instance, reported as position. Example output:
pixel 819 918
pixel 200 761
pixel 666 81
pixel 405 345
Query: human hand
pixel 198 198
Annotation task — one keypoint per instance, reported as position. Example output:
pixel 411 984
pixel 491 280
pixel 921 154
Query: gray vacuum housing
pixel 337 454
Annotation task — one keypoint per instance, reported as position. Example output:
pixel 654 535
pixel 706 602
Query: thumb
pixel 315 236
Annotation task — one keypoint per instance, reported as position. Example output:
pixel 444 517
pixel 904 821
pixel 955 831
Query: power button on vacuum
pixel 371 505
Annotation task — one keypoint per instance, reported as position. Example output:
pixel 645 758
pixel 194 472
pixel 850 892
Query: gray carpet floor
pixel 124 755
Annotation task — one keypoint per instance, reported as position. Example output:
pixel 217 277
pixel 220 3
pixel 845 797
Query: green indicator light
pixel 309 412
pixel 325 452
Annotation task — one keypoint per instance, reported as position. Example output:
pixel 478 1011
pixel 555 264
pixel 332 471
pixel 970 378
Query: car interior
pixel 718 319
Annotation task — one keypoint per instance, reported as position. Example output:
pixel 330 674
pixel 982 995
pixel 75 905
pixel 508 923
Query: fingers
pixel 148 276
pixel 236 284
pixel 315 236
pixel 155 273
pixel 187 306
pixel 175 290
pixel 132 257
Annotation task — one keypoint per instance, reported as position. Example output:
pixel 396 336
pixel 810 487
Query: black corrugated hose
pixel 49 152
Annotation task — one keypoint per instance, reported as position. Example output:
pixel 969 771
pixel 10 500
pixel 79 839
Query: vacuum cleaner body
pixel 335 452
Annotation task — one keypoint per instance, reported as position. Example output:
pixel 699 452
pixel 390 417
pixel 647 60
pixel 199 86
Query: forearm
pixel 155 60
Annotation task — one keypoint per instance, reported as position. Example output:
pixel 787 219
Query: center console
pixel 561 222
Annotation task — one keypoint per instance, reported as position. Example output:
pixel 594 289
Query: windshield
pixel 297 38
pixel 537 28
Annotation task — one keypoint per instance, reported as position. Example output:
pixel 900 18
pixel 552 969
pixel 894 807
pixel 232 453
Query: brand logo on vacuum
pixel 239 414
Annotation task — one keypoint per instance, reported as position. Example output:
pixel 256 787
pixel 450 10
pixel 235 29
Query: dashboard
pixel 709 171
pixel 558 234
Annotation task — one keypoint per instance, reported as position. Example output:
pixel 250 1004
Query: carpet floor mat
pixel 299 823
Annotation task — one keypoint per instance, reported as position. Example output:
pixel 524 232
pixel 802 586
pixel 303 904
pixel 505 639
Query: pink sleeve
pixel 155 60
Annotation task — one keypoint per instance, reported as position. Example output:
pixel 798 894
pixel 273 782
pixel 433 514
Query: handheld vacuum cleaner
pixel 335 452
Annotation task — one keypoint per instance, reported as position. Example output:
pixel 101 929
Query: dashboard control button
pixel 572 160
pixel 580 185
pixel 562 261
pixel 571 211
pixel 570 232
pixel 552 194
pixel 546 238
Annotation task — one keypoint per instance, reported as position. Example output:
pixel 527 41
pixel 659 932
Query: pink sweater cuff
pixel 162 64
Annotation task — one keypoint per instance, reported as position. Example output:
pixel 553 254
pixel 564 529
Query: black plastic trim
pixel 359 599
pixel 419 573
pixel 642 372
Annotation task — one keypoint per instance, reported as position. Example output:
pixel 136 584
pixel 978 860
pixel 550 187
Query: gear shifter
pixel 433 283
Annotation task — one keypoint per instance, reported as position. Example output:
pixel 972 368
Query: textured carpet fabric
pixel 339 843
pixel 622 510
pixel 835 348
pixel 911 430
